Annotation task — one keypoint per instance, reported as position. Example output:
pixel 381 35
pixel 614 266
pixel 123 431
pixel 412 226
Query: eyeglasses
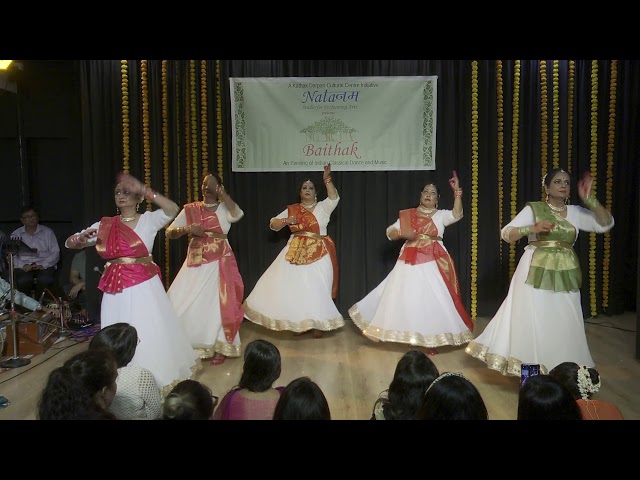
pixel 138 341
pixel 215 400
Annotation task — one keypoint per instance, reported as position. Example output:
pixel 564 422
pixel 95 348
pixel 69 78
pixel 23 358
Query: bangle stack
pixel 524 231
pixel 327 180
pixel 149 194
pixel 591 202
pixel 457 193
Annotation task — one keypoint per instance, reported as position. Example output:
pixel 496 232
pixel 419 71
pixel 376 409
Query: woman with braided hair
pixel 541 321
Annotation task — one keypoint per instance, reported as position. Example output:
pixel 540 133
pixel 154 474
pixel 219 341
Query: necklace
pixel 557 209
pixel 426 211
pixel 210 205
pixel 309 206
pixel 127 219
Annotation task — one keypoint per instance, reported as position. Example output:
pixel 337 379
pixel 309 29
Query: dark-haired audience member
pixel 138 395
pixel 544 398
pixel 452 396
pixel 81 389
pixel 189 400
pixel 414 373
pixel 582 382
pixel 302 399
pixel 254 398
pixel 39 264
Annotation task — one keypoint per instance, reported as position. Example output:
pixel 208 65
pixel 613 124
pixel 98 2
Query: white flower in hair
pixel 585 385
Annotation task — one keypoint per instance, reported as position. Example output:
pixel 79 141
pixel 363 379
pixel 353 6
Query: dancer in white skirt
pixel 296 292
pixel 208 291
pixel 419 302
pixel 541 319
pixel 133 291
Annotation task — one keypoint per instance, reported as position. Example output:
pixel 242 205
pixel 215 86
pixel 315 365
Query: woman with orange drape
pixel 419 302
pixel 296 292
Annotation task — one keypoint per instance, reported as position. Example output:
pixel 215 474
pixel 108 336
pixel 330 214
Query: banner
pixel 354 123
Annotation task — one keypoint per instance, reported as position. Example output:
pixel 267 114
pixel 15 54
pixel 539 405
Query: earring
pixel 137 206
pixel 315 199
pixel 117 210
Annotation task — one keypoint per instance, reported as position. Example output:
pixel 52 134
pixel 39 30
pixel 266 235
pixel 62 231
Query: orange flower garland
pixel 165 161
pixel 219 119
pixel 145 126
pixel 500 110
pixel 514 159
pixel 544 119
pixel 613 82
pixel 203 114
pixel 474 189
pixel 594 172
pixel 187 143
pixel 124 68
pixel 178 134
pixel 194 127
pixel 556 115
pixel 570 87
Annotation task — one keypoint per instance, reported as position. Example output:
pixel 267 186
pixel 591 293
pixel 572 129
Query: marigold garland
pixel 570 88
pixel 556 114
pixel 594 172
pixel 219 120
pixel 544 125
pixel 500 110
pixel 177 91
pixel 194 127
pixel 187 138
pixel 165 161
pixel 613 82
pixel 514 159
pixel 124 69
pixel 203 114
pixel 474 189
pixel 145 126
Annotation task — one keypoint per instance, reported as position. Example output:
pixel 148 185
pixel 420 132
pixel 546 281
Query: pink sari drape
pixel 117 240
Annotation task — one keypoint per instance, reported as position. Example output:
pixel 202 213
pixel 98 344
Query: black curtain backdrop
pixel 370 201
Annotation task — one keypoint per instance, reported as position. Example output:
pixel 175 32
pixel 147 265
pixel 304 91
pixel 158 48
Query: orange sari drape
pixel 423 250
pixel 304 250
pixel 206 249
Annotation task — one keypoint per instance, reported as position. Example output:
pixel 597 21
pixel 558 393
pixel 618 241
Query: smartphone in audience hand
pixel 528 370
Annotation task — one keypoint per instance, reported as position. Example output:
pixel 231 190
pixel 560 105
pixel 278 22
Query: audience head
pixel 261 366
pixel 29 216
pixel 82 389
pixel 302 399
pixel 451 396
pixel 544 398
pixel 120 338
pixel 581 381
pixel 414 373
pixel 189 400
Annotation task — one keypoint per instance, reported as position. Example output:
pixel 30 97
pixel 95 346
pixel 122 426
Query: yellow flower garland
pixel 187 142
pixel 124 68
pixel 500 110
pixel 194 127
pixel 219 120
pixel 613 82
pixel 177 91
pixel 474 189
pixel 594 172
pixel 203 115
pixel 514 159
pixel 570 87
pixel 145 126
pixel 556 115
pixel 165 162
pixel 544 123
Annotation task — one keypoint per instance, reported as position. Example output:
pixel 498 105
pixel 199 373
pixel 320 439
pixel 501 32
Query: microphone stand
pixel 14 361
